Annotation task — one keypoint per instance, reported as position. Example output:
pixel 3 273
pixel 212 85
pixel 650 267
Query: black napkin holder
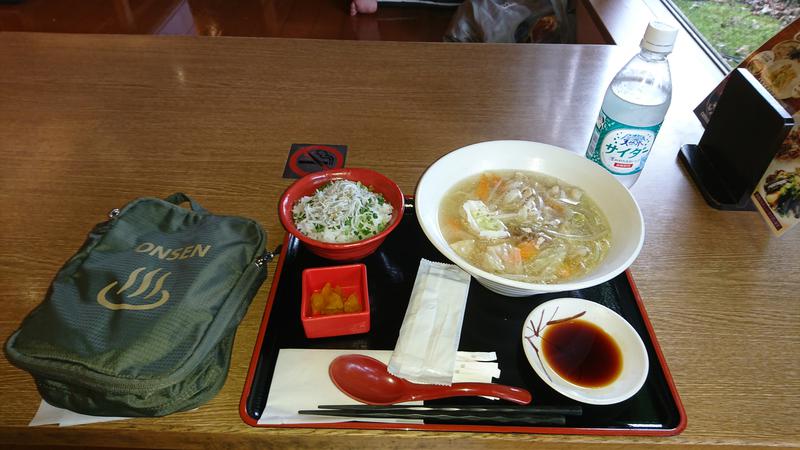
pixel 743 134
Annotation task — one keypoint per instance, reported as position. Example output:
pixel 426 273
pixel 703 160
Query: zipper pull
pixel 113 213
pixel 267 256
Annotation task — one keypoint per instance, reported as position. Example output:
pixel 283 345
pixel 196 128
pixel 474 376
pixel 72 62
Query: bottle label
pixel 622 149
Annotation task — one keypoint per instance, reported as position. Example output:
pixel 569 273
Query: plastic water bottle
pixel 634 107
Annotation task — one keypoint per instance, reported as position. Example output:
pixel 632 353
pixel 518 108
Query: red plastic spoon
pixel 367 380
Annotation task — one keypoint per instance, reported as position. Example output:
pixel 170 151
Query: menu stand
pixel 743 134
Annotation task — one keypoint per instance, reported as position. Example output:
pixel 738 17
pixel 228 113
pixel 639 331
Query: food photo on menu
pixel 776 65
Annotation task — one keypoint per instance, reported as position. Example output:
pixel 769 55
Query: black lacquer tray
pixel 491 323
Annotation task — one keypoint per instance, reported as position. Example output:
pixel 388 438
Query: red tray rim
pixel 682 423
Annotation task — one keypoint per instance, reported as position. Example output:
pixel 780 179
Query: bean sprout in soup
pixel 524 226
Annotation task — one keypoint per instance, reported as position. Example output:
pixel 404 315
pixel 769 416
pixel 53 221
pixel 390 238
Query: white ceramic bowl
pixel 635 364
pixel 619 206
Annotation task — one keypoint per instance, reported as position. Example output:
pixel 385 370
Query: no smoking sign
pixel 308 158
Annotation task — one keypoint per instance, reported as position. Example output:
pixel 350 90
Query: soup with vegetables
pixel 524 226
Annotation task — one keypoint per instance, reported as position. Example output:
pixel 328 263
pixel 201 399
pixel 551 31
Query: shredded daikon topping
pixel 342 211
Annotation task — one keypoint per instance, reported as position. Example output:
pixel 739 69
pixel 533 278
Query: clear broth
pixel 555 231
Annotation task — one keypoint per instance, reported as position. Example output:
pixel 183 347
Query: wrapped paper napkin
pixel 301 381
pixel 426 348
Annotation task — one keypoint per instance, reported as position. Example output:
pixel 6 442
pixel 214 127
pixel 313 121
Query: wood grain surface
pixel 88 123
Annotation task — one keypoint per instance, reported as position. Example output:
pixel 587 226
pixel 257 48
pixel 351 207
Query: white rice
pixel 342 211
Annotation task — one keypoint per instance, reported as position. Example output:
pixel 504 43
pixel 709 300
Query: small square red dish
pixel 353 280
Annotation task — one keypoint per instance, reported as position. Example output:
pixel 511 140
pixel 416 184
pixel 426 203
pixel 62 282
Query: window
pixel 732 29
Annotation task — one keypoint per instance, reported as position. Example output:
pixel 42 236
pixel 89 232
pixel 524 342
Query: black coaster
pixel 308 158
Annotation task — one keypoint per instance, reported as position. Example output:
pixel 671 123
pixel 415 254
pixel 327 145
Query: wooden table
pixel 88 123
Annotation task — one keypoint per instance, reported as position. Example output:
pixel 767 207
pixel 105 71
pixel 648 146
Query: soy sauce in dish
pixel 582 353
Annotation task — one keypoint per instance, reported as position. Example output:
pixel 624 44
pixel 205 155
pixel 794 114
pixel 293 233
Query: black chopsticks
pixel 532 415
pixel 565 410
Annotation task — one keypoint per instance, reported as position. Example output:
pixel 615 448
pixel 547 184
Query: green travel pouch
pixel 141 320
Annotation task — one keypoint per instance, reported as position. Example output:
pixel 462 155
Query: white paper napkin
pixel 48 414
pixel 301 381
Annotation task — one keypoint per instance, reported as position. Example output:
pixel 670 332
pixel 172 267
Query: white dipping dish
pixel 635 363
pixel 616 202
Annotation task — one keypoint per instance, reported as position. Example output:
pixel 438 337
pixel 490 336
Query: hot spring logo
pixel 141 289
pixel 148 292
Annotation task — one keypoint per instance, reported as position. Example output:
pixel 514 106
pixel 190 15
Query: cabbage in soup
pixel 524 226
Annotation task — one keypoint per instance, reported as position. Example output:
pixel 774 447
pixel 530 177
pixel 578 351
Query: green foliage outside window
pixel 735 28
